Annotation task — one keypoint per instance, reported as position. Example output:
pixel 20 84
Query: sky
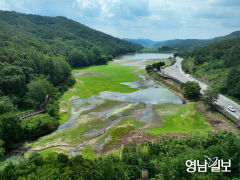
pixel 148 19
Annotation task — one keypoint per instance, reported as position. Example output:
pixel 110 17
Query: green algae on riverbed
pixel 179 119
pixel 112 76
pixel 109 80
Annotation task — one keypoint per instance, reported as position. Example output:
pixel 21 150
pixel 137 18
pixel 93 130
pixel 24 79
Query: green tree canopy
pixel 38 89
pixel 211 94
pixel 191 90
pixel 6 105
pixel 77 59
pixel 12 80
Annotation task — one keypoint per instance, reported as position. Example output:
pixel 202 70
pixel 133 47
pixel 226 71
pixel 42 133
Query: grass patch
pixel 101 139
pixel 112 76
pixel 143 87
pixel 149 50
pixel 127 121
pixel 122 109
pixel 88 153
pixel 122 128
pixel 103 107
pixel 142 71
pixel 74 136
pixel 179 119
pixel 52 152
pixel 166 60
pixel 109 80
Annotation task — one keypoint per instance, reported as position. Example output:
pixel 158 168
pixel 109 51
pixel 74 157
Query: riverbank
pixel 213 117
pixel 112 101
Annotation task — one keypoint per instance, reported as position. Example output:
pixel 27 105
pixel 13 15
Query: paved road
pixel 177 72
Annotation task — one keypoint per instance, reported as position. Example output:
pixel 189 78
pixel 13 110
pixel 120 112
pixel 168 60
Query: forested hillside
pixel 142 42
pixel 219 63
pixel 183 44
pixel 36 55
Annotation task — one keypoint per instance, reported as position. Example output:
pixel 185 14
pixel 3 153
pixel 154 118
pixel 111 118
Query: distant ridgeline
pixel 36 54
pixel 219 63
pixel 180 45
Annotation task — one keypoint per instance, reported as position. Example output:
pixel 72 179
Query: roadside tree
pixel 149 68
pixel 210 94
pixel 191 90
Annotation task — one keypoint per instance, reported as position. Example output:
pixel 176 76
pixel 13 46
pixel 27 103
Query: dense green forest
pixel 36 56
pixel 190 44
pixel 163 160
pixel 218 63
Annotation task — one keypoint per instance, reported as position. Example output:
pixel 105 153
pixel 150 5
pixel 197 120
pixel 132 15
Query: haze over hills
pixel 183 44
pixel 142 42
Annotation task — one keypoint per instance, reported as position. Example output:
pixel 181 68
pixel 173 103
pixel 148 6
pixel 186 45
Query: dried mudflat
pixel 108 107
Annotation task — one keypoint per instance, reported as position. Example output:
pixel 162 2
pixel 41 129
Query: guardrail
pixel 167 76
pixel 40 110
pixel 32 114
pixel 216 107
pixel 226 114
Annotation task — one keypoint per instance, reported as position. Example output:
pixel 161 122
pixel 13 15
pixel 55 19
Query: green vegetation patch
pixel 149 50
pixel 179 119
pixel 88 153
pixel 122 128
pixel 104 107
pixel 75 135
pixel 112 76
pixel 166 60
pixel 217 63
pixel 142 71
pixel 52 152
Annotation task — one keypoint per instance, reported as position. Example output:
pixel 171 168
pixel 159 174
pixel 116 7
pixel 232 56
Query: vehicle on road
pixel 231 109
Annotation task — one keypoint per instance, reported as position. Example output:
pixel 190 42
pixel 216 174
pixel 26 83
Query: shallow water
pixel 143 56
pixel 154 93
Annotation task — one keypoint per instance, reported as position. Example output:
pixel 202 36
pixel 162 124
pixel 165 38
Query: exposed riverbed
pixel 151 93
pixel 134 100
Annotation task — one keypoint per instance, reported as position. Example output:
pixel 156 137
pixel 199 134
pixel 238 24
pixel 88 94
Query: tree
pixel 235 91
pixel 191 90
pixel 149 68
pixel 10 130
pixel 161 64
pixel 211 94
pixel 12 80
pixel 53 109
pixel 233 84
pixel 6 105
pixel 38 89
pixel 77 59
pixel 1 149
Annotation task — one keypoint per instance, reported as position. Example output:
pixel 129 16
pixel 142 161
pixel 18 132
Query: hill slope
pixel 189 44
pixel 142 42
pixel 219 63
pixel 35 57
pixel 59 33
pixel 183 44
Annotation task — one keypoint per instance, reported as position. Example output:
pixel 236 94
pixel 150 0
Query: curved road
pixel 177 72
